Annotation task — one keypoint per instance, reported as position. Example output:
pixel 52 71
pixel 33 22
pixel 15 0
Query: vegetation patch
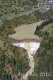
pixel 44 58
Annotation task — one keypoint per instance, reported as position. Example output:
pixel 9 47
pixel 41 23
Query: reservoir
pixel 25 38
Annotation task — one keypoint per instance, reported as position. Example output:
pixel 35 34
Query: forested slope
pixel 44 57
pixel 13 61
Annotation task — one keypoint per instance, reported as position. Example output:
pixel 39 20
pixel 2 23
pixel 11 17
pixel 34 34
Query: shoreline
pixel 25 33
pixel 24 40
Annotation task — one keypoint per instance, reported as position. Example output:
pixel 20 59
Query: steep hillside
pixel 44 58
pixel 10 9
pixel 13 61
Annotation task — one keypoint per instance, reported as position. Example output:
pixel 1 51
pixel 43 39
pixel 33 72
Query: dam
pixel 31 47
pixel 25 38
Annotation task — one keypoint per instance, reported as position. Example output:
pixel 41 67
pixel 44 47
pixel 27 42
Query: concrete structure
pixel 31 47
pixel 25 38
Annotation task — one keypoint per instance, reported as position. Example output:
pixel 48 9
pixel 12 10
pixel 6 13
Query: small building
pixel 51 1
pixel 48 4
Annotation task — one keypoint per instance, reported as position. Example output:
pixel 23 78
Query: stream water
pixel 31 48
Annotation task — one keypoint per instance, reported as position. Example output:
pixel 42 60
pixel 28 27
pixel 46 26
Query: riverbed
pixel 25 38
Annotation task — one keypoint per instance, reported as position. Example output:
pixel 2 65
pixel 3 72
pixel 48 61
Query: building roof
pixel 48 3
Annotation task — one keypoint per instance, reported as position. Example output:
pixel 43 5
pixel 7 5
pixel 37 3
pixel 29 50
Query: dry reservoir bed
pixel 25 32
